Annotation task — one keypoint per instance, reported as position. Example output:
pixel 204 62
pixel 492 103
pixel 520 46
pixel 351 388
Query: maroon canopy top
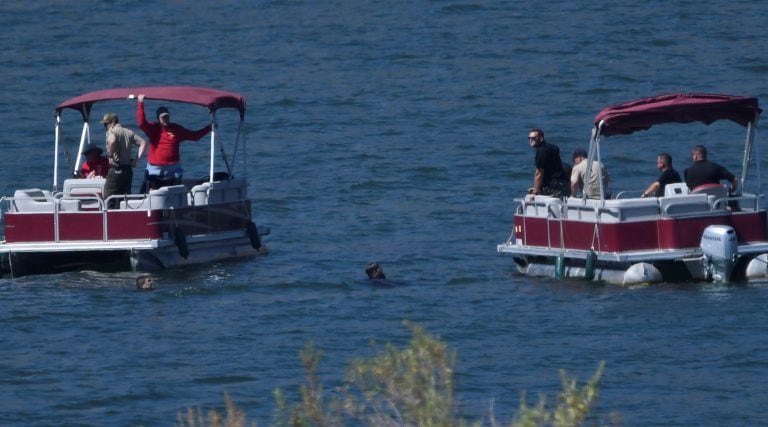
pixel 211 98
pixel 641 114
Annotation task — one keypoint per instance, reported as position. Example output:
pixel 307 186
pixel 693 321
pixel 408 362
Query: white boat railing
pixel 83 197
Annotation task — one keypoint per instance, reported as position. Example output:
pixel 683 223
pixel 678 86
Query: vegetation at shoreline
pixel 413 386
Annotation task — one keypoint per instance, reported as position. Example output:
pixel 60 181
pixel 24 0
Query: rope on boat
pixel 589 262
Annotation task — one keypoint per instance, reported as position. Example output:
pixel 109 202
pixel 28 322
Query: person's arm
pixel 192 135
pixel 651 189
pixel 111 144
pixel 574 181
pixel 141 118
pixel 733 179
pixel 142 146
pixel 538 177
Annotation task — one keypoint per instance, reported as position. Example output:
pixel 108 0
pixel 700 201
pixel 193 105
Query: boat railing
pixel 636 209
pixel 80 202
pixel 629 194
pixel 174 196
pixel 40 201
pixel 746 202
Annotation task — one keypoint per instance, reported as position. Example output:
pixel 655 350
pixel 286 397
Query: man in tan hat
pixel 95 165
pixel 121 164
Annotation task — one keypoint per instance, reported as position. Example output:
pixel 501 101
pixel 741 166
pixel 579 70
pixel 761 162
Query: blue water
pixel 387 131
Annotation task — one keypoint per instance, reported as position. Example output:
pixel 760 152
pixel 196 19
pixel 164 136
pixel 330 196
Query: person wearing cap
pixel 164 160
pixel 119 146
pixel 95 165
pixel 579 172
pixel 668 176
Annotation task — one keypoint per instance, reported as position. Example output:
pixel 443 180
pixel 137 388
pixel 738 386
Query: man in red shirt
pixel 95 165
pixel 163 161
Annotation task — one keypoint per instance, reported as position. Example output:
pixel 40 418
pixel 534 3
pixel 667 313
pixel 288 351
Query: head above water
pixel 374 271
pixel 145 283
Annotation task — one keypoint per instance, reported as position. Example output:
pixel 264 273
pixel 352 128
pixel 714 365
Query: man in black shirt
pixel 548 180
pixel 705 172
pixel 668 176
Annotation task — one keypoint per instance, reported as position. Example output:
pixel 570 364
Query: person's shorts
pixel 165 171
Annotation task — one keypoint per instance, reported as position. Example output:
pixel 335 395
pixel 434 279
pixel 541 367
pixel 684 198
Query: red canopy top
pixel 211 98
pixel 641 114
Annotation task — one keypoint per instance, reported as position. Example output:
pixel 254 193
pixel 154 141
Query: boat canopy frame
pixel 212 99
pixel 642 114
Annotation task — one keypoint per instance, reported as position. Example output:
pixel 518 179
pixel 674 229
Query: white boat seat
pixel 198 195
pixel 217 192
pixel 676 189
pixel 537 205
pixel 629 209
pixel 74 187
pixel 33 200
pixel 37 200
pixel 174 196
pixel 613 210
pixel 685 205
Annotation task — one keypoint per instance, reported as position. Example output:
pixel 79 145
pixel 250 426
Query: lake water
pixel 386 131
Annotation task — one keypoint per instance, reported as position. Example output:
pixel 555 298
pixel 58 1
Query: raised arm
pixel 141 118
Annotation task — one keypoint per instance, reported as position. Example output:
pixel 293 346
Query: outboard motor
pixel 721 251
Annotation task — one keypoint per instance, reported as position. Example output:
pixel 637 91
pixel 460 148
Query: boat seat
pixel 173 196
pixel 685 205
pixel 676 189
pixel 629 209
pixel 537 206
pixel 198 195
pixel 716 190
pixel 614 210
pixel 85 187
pixel 37 200
pixel 716 193
pixel 217 192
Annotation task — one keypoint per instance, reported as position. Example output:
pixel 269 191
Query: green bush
pixel 403 387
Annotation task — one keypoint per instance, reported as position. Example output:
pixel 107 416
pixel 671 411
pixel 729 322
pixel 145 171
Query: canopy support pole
pixel 57 131
pixel 213 146
pixel 748 146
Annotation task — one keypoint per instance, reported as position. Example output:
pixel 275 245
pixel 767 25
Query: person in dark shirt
pixel 549 179
pixel 668 176
pixel 705 172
